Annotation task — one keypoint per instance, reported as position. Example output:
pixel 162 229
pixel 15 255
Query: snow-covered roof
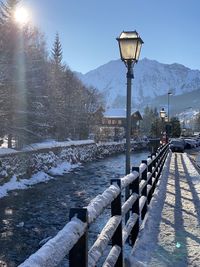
pixel 117 112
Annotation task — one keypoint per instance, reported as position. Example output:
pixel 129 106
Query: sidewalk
pixel 171 236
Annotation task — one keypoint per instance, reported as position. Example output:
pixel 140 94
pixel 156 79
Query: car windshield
pixel 176 142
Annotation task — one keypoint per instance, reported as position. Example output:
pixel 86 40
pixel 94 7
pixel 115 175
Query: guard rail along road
pixel 72 240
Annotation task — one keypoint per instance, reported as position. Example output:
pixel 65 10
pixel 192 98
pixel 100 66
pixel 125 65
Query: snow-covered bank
pixel 198 159
pixel 171 236
pixel 15 183
pixel 41 162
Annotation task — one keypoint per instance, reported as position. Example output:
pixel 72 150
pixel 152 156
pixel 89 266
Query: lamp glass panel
pixel 162 114
pixel 128 48
pixel 138 50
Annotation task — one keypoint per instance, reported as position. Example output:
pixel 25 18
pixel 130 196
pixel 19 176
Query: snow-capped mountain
pixel 152 79
pixel 187 117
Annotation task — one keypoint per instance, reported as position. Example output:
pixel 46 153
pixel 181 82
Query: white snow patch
pixel 39 177
pixel 5 151
pixel 53 144
pixel 193 172
pixel 62 168
pixel 14 184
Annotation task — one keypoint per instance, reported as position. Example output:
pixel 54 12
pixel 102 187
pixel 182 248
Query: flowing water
pixel 29 216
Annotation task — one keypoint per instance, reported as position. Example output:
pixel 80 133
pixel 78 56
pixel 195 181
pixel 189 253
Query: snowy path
pixel 171 236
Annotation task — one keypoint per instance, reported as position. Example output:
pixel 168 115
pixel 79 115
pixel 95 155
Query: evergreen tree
pixel 150 117
pixel 57 91
pixel 156 128
pixel 40 97
pixel 175 127
pixel 57 52
pixel 37 78
pixel 23 78
pixel 9 66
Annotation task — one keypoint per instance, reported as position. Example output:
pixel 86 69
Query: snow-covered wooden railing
pixel 72 240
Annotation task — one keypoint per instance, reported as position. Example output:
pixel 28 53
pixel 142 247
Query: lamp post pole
pixel 168 106
pixel 130 45
pixel 169 93
pixel 129 77
pixel 168 126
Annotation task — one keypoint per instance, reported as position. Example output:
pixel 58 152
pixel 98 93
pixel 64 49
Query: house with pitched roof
pixel 113 125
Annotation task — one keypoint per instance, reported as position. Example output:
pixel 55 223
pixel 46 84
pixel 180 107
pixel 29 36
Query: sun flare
pixel 21 15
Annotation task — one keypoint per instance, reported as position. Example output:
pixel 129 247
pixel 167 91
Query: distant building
pixel 113 126
pixel 187 132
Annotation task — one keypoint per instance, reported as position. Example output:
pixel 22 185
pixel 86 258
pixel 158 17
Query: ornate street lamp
pixel 163 114
pixel 166 118
pixel 130 45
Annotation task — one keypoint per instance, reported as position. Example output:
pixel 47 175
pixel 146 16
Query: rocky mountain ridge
pixel 152 80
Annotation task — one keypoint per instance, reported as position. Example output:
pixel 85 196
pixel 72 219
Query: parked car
pixel 190 143
pixel 176 145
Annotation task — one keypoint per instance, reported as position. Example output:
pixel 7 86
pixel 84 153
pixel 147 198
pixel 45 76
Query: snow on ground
pixel 171 236
pixel 4 151
pixel 53 143
pixel 198 159
pixel 39 177
pixel 63 168
pixel 46 145
pixel 23 183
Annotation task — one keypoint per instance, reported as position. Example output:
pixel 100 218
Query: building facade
pixel 113 126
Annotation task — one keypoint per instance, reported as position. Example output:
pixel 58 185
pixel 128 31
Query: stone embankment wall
pixel 24 164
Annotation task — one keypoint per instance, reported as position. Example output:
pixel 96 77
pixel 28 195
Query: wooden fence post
pixel 144 191
pixel 78 255
pixel 116 209
pixel 134 186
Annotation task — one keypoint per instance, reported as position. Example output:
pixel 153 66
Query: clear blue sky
pixel 170 29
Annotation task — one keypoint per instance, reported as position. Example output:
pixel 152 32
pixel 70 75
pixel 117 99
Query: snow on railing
pixel 128 179
pixel 129 226
pixel 51 253
pixel 72 239
pixel 142 167
pixel 149 160
pixel 102 241
pixel 112 257
pixel 129 203
pixel 100 202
